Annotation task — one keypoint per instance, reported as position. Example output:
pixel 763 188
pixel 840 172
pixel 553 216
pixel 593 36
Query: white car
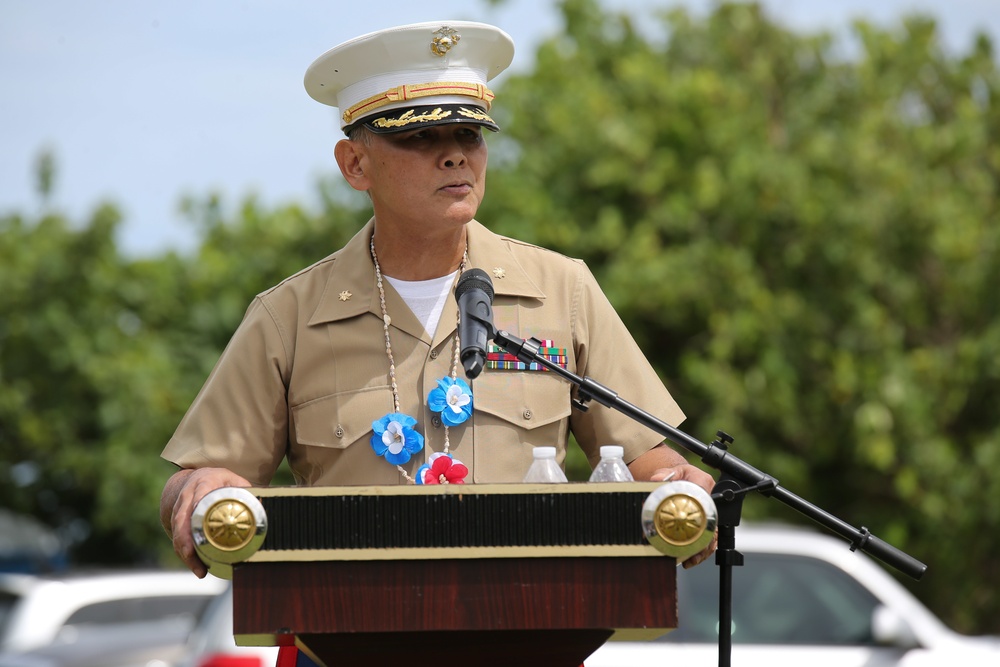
pixel 212 643
pixel 43 611
pixel 802 598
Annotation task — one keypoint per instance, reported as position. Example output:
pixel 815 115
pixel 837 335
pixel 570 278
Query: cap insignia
pixel 446 38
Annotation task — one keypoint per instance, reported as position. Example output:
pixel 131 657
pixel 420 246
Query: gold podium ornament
pixel 679 519
pixel 228 526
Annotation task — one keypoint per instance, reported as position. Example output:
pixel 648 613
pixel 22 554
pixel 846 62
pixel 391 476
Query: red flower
pixel 445 470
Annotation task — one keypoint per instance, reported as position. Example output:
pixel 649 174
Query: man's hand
pixel 663 463
pixel 180 495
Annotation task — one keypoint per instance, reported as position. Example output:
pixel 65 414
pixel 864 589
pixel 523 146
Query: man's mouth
pixel 458 186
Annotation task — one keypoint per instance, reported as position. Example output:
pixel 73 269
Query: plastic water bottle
pixel 612 467
pixel 544 469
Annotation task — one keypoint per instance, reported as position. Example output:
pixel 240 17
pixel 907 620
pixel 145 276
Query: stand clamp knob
pixel 228 526
pixel 679 519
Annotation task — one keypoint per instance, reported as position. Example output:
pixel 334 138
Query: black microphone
pixel 474 293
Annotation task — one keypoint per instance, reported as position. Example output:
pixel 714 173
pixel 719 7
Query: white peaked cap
pixel 413 75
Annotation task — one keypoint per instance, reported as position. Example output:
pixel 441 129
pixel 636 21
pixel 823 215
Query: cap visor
pixel 412 118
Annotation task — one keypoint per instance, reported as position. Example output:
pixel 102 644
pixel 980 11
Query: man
pixel 350 367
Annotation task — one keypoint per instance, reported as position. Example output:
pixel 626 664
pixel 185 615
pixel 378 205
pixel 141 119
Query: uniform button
pixel 340 431
pixel 527 414
pixel 434 354
pixel 436 421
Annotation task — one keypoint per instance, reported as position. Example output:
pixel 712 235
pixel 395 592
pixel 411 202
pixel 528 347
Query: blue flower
pixel 395 439
pixel 453 399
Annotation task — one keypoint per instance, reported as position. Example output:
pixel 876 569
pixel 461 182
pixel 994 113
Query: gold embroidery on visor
pixel 409 118
pixel 474 114
pixel 415 91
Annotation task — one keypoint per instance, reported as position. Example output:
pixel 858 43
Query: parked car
pixel 211 644
pixel 92 612
pixel 802 598
pixel 155 644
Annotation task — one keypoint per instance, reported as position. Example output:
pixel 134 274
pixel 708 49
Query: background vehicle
pixel 93 612
pixel 131 645
pixel 211 644
pixel 802 598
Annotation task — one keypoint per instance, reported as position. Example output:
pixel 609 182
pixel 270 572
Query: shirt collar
pixel 492 254
pixel 351 291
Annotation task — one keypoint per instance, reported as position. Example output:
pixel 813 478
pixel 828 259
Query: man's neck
pixel 419 256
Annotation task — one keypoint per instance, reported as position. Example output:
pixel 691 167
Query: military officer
pixel 349 369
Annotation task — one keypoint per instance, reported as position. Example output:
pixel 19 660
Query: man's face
pixel 426 177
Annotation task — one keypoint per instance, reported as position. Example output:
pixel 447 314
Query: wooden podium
pixel 486 575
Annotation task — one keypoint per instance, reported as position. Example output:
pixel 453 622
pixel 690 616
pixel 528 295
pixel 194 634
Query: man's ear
pixel 350 157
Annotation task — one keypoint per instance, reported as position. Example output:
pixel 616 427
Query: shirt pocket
pixel 516 411
pixel 339 420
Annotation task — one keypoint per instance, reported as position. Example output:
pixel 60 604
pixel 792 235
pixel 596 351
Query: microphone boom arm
pixel 715 455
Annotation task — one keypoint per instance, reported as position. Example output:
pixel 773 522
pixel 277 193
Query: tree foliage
pixel 81 384
pixel 100 355
pixel 804 243
pixel 802 237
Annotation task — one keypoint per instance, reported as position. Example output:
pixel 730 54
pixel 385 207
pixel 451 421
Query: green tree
pixel 101 354
pixel 805 245
pixel 81 385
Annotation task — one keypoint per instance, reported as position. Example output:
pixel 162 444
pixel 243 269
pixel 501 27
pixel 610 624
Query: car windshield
pixel 777 599
pixel 170 613
pixel 134 610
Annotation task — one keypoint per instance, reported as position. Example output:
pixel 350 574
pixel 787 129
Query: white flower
pixel 457 398
pixel 393 437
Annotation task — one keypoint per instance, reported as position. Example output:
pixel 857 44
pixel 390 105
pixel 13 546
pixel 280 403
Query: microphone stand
pixel 737 479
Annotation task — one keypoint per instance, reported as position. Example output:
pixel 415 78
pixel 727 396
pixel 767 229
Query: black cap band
pixel 411 118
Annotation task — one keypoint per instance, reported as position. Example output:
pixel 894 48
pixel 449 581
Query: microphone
pixel 474 293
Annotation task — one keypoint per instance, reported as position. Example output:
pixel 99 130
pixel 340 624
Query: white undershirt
pixel 426 298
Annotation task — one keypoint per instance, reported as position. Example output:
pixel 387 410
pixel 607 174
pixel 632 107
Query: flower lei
pixel 394 437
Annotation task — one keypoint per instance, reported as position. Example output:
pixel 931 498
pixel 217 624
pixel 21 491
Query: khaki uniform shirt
pixel 306 374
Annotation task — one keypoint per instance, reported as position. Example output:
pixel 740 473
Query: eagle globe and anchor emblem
pixel 445 39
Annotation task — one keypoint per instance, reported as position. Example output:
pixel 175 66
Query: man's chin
pixel 462 213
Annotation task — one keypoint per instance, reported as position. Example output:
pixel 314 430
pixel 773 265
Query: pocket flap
pixel 526 399
pixel 338 420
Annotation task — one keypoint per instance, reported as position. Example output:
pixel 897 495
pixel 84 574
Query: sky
pixel 145 102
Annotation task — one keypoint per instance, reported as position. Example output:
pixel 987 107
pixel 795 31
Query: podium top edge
pixel 456 489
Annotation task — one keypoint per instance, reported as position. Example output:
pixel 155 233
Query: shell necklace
pixel 394 437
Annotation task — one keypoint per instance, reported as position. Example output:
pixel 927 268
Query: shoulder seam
pixel 308 269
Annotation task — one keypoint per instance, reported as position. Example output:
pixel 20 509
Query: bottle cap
pixel 544 452
pixel 612 451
